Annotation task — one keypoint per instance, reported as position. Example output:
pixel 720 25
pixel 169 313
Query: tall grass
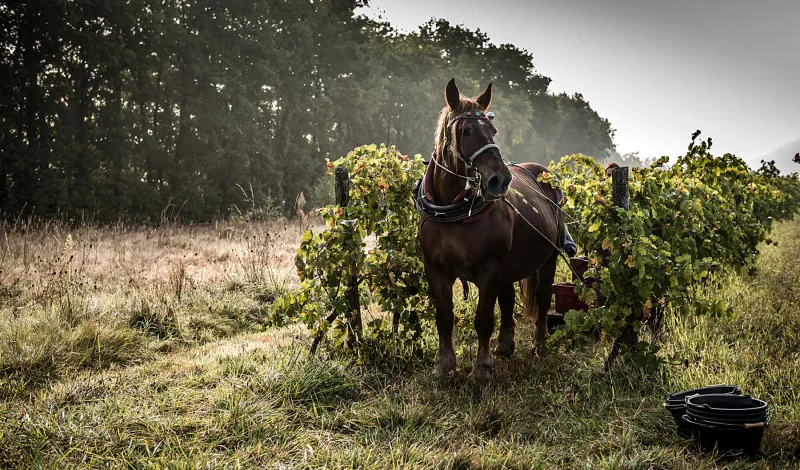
pixel 88 298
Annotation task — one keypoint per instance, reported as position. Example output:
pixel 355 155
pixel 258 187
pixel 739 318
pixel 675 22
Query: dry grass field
pixel 132 348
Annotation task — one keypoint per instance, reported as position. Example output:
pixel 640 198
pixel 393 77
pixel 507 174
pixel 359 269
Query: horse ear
pixel 485 99
pixel 451 95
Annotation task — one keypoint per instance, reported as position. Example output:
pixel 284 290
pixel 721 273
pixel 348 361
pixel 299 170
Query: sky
pixel 658 70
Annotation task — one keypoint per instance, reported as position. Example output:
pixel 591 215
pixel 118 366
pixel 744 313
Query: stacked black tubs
pixel 720 417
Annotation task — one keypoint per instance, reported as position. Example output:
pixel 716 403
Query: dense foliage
pixel 201 109
pixel 381 183
pixel 684 222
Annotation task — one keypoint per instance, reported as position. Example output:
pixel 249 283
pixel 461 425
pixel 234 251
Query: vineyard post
pixel 621 198
pixel 619 188
pixel 342 192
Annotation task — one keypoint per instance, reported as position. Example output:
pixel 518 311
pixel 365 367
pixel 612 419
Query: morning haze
pixel 657 70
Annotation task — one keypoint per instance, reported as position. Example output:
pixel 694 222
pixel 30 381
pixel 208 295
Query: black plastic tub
pixel 676 403
pixel 678 411
pixel 726 405
pixel 732 439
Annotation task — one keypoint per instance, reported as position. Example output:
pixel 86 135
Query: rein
pixel 555 247
pixel 540 191
pixel 554 205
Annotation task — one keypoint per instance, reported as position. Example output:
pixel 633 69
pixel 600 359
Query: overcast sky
pixel 657 70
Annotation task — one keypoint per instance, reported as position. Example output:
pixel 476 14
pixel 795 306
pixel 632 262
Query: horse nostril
pixel 494 183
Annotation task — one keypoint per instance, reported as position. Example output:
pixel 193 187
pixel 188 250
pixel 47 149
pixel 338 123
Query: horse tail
pixel 527 290
pixel 465 286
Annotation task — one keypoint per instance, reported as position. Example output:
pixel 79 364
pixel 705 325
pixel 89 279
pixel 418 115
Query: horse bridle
pixel 468 160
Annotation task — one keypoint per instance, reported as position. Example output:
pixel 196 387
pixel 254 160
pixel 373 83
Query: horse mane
pixel 467 104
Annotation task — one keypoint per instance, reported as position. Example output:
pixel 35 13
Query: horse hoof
pixel 445 365
pixel 481 374
pixel 505 349
pixel 443 371
pixel 444 375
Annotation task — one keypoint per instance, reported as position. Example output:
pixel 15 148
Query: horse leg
pixel 505 340
pixel 544 298
pixel 442 293
pixel 484 326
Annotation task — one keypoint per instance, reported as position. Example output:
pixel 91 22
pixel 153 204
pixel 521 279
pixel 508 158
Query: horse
pixel 511 232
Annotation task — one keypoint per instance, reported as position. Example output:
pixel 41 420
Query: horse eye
pixel 467 131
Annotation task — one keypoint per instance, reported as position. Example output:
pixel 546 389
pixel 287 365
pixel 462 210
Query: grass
pixel 154 364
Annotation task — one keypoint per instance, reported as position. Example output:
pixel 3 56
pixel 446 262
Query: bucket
pixel 567 299
pixel 579 265
pixel 731 423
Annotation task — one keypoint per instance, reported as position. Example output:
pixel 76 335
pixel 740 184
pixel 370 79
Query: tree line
pixel 202 109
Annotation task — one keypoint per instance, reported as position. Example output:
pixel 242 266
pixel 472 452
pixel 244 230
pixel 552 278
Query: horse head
pixel 465 137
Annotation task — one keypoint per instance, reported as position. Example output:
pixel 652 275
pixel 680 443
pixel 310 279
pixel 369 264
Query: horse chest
pixel 470 255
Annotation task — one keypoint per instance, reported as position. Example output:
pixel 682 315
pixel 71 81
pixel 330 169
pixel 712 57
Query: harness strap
pixel 467 207
pixel 555 247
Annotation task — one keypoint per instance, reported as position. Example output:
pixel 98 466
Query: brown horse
pixel 514 237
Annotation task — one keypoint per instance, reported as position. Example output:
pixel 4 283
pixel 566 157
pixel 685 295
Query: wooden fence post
pixel 621 198
pixel 619 187
pixel 342 186
pixel 342 192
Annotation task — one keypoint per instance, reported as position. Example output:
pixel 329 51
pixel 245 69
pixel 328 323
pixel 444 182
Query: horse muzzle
pixel 497 186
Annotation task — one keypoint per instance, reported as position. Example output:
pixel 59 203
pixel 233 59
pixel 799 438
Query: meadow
pixel 127 347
